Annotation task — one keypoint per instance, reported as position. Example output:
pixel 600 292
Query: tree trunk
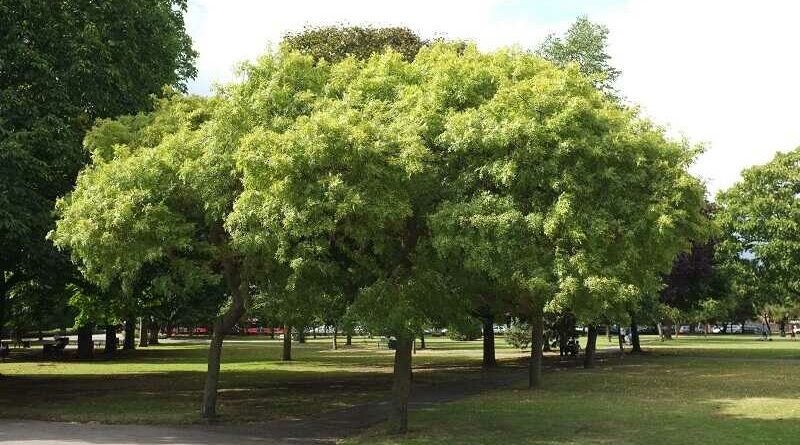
pixel 143 332
pixel 621 339
pixel 111 340
pixel 239 294
pixel 422 340
pixel 489 359
pixel 591 345
pixel 154 330
pixel 608 332
pixel 401 387
pixel 637 347
pixel 335 344
pixel 782 327
pixel 3 290
pixel 537 338
pixel 85 343
pixel 349 340
pixel 130 332
pixel 287 343
pixel 301 335
pixel 660 331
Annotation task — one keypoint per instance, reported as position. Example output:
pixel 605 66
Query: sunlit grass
pixel 731 390
pixel 707 387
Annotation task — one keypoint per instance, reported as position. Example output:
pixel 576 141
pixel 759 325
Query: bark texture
pixel 591 345
pixel 154 331
pixel 143 334
pixel 537 343
pixel 287 344
pixel 130 333
pixel 637 347
pixel 85 343
pixel 111 340
pixel 239 294
pixel 401 387
pixel 489 359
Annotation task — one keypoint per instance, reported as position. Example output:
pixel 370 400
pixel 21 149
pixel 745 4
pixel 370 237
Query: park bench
pixel 19 343
pixel 55 349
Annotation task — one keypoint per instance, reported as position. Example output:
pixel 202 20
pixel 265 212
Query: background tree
pixel 63 64
pixel 335 43
pixel 584 44
pixel 759 220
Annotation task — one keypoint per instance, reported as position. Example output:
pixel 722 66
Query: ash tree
pixel 571 200
pixel 149 212
pixel 345 188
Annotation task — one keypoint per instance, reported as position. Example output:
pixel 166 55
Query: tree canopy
pixel 387 179
pixel 63 64
pixel 759 216
pixel 336 43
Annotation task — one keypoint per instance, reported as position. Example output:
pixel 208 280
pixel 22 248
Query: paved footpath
pixel 326 428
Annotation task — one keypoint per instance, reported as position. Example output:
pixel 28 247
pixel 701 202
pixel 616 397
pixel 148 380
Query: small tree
pixel 156 195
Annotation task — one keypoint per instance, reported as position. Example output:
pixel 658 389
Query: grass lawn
pixel 716 390
pixel 163 384
pixel 720 389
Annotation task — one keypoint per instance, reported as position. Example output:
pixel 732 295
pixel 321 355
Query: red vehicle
pixel 253 327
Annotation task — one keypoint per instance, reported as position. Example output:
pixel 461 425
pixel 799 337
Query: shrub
pixel 519 336
pixel 466 331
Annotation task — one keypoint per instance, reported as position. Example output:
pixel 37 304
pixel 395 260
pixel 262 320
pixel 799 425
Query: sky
pixel 724 74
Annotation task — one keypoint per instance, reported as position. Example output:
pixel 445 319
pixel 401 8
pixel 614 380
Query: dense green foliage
pixel 63 64
pixel 584 44
pixel 336 43
pixel 519 335
pixel 759 216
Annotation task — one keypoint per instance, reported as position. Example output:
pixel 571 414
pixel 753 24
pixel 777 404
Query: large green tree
pixel 147 215
pixel 63 64
pixel 760 221
pixel 576 203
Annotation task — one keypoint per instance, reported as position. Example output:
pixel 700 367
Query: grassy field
pixel 731 389
pixel 163 384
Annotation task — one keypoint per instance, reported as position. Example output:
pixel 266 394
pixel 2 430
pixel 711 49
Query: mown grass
pixel 163 384
pixel 731 390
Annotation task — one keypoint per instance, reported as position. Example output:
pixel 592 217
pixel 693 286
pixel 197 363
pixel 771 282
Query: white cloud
pixel 720 72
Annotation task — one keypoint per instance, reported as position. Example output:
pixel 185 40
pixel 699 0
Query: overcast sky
pixel 722 73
